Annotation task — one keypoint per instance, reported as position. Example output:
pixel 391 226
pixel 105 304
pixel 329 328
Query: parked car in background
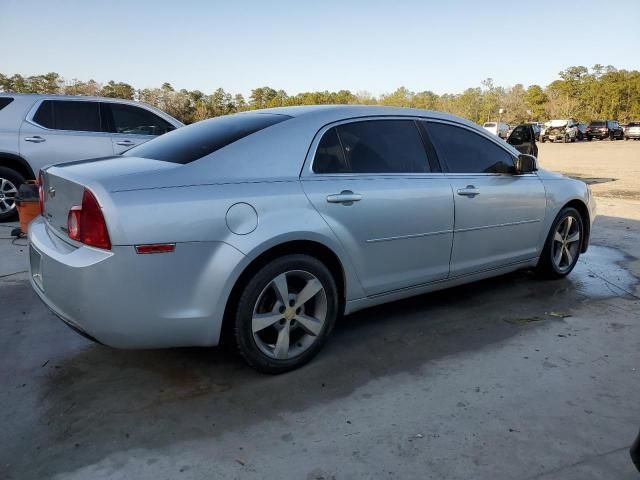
pixel 632 131
pixel 41 130
pixel 276 222
pixel 499 129
pixel 582 131
pixel 536 129
pixel 602 129
pixel 565 131
pixel 523 138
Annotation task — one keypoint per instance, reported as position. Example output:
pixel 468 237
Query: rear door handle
pixel 469 191
pixel 125 143
pixel 346 197
pixel 35 139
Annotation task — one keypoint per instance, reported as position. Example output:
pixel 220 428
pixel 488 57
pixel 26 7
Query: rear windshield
pixel 633 124
pixel 4 101
pixel 192 142
pixel 598 124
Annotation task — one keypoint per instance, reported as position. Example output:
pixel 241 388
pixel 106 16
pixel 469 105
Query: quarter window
pixel 374 146
pixel 464 151
pixel 4 101
pixel 69 115
pixel 134 120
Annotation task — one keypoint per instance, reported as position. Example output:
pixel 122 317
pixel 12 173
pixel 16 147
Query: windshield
pixel 195 141
pixel 489 124
pixel 597 124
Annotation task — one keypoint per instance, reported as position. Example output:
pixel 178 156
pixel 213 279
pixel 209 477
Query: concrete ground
pixel 509 378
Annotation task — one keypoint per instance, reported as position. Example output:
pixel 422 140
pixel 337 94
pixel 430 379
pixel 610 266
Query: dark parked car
pixel 536 129
pixel 582 131
pixel 523 138
pixel 602 129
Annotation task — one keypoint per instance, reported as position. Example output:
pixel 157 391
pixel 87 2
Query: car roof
pixel 325 113
pixel 54 96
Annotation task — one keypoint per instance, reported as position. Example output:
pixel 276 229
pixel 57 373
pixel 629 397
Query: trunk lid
pixel 59 195
pixel 64 184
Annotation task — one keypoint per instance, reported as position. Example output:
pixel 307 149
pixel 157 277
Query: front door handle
pixel 35 139
pixel 346 197
pixel 125 143
pixel 469 191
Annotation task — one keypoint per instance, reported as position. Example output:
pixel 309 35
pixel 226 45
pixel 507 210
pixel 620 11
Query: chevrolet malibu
pixel 271 224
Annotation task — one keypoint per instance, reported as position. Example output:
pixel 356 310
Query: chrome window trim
pixel 307 170
pixel 308 173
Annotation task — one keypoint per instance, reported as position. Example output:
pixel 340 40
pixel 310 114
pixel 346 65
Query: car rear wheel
pixel 563 245
pixel 10 181
pixel 286 313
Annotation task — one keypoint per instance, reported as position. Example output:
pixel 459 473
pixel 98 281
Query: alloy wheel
pixel 289 314
pixel 566 243
pixel 8 194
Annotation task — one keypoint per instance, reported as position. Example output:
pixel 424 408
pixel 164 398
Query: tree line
pixel 602 92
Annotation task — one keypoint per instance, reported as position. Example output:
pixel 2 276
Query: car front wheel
pixel 286 313
pixel 10 180
pixel 562 248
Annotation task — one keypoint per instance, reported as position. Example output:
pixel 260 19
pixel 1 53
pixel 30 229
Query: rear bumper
pixel 126 300
pixel 600 135
pixel 555 136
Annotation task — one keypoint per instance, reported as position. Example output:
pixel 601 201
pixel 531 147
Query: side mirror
pixel 526 164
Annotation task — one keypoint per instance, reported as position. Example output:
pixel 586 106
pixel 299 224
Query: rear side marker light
pixel 156 248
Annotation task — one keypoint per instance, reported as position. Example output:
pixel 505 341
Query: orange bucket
pixel 28 204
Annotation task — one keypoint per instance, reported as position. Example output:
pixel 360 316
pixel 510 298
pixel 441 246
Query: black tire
pixel 542 140
pixel 589 139
pixel 245 341
pixel 546 267
pixel 16 179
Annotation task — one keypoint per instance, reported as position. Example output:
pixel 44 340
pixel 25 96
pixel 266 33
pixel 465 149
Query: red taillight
pixel 41 191
pixel 86 223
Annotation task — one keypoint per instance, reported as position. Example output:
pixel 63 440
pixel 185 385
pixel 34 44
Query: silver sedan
pixel 272 224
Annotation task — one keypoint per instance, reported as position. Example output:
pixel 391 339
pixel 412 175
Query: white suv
pixel 40 130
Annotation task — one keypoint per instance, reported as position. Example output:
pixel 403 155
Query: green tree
pixel 118 90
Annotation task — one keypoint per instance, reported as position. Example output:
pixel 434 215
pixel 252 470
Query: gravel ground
pixel 612 168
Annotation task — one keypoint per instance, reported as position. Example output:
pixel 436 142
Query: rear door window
pixel 79 116
pixel 132 120
pixel 187 144
pixel 372 146
pixel 464 151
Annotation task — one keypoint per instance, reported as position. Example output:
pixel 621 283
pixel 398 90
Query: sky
pixel 373 46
